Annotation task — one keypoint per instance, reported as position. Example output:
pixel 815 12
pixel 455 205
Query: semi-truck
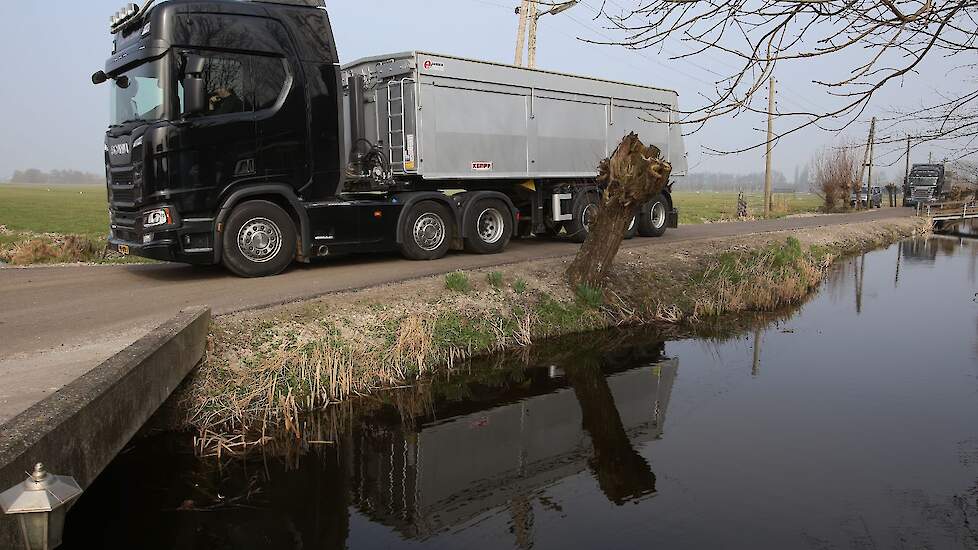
pixel 926 183
pixel 236 137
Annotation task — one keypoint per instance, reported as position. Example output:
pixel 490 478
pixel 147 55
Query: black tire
pixel 427 231
pixel 632 229
pixel 585 205
pixel 489 227
pixel 654 217
pixel 259 240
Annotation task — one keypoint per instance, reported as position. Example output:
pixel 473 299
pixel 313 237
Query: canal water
pixel 849 422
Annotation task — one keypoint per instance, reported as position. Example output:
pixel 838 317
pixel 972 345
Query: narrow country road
pixel 65 319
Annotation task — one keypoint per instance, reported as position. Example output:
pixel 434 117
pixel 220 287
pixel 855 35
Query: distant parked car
pixel 875 199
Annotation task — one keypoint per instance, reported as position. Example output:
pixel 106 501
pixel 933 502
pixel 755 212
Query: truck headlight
pixel 157 217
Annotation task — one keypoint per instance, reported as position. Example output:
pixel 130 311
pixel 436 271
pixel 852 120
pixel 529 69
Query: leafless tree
pixel 835 176
pixel 869 44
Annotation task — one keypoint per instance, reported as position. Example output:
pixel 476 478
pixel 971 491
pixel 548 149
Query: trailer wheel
pixel 259 240
pixel 583 211
pixel 427 231
pixel 632 229
pixel 652 220
pixel 489 227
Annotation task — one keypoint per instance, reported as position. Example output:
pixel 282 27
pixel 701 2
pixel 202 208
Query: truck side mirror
pixel 194 100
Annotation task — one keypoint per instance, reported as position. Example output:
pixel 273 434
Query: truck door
pixel 222 146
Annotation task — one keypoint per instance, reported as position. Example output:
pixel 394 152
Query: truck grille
pixel 122 189
pixel 921 193
pixel 123 195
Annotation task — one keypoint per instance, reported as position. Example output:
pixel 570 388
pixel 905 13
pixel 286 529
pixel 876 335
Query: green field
pixel 713 206
pixel 65 209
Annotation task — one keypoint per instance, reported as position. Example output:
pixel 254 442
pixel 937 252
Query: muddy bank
pixel 265 368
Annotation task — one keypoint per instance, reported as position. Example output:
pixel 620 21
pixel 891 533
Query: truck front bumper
pixel 189 240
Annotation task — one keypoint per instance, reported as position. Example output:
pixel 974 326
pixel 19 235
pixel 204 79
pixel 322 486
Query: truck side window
pixel 225 86
pixel 269 76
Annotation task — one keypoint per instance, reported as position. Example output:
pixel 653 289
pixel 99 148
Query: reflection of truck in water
pixel 567 421
pixel 926 183
pixel 236 138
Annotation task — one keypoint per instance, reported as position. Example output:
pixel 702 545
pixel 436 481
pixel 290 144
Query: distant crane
pixel 529 16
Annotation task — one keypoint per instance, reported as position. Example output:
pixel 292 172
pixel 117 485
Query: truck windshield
pixel 922 180
pixel 144 98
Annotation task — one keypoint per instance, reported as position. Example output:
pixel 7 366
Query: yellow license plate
pixel 124 249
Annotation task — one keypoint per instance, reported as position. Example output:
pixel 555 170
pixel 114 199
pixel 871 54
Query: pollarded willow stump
pixel 633 175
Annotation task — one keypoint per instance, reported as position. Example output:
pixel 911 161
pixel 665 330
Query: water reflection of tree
pixel 622 473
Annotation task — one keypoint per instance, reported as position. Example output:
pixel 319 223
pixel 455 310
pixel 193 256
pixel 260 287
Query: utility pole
pixel 770 144
pixel 530 15
pixel 523 10
pixel 532 18
pixel 866 161
pixel 872 150
pixel 906 175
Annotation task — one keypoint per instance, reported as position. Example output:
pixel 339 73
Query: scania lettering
pixel 236 137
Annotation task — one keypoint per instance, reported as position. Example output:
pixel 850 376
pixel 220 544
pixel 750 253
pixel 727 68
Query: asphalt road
pixel 62 320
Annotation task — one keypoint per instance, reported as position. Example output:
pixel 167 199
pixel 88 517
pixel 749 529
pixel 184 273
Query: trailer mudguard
pixel 411 198
pixel 279 190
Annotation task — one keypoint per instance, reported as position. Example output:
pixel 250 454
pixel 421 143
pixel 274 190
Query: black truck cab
pixel 214 102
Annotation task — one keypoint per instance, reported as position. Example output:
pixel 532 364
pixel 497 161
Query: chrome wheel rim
pixel 429 231
pixel 658 215
pixel 631 224
pixel 587 215
pixel 491 225
pixel 259 240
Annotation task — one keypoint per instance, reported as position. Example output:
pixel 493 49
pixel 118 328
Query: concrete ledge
pixel 81 428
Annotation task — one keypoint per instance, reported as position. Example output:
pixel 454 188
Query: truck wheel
pixel 259 240
pixel 489 227
pixel 427 233
pixel 584 209
pixel 652 220
pixel 632 229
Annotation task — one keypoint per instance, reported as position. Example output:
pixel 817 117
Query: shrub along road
pixel 57 322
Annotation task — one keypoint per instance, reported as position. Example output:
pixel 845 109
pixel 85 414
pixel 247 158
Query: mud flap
pixel 672 219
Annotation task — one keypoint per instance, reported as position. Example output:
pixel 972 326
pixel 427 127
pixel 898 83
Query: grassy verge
pixel 267 368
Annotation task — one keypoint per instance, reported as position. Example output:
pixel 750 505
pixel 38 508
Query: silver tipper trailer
pixel 440 117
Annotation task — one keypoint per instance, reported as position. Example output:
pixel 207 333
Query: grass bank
pixel 266 368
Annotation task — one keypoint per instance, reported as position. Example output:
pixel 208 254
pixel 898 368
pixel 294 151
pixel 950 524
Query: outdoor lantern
pixel 40 503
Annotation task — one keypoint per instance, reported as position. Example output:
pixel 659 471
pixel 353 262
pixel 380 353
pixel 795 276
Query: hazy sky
pixel 54 118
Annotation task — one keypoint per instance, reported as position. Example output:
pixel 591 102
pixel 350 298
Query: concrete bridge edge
pixel 80 429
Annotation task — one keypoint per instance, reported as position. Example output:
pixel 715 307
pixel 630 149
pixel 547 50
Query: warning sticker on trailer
pixel 409 148
pixel 435 66
pixel 482 166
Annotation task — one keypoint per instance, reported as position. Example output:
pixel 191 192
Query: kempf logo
pixel 119 149
pixel 482 166
pixel 430 65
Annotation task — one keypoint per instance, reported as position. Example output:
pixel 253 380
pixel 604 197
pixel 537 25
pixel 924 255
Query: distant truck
pixel 236 138
pixel 926 183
